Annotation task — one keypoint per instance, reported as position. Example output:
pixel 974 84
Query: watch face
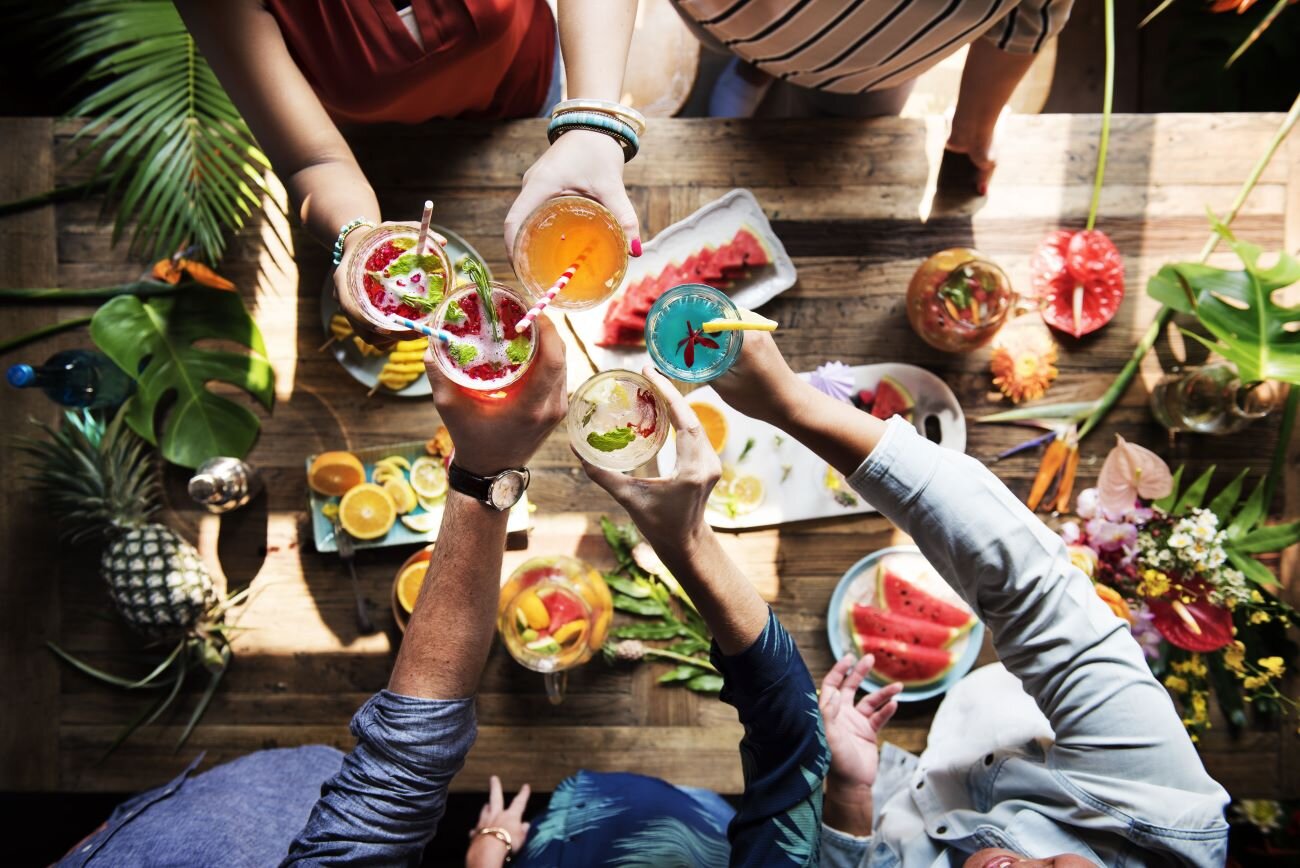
pixel 508 488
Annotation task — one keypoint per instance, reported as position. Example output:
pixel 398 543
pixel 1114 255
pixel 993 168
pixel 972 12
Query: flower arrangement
pixel 1182 573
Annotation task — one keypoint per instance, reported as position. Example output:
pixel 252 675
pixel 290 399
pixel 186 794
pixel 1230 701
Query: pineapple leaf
pixel 99 674
pixel 177 683
pixel 157 338
pixel 208 693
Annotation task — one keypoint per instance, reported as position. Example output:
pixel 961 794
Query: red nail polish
pixel 984 189
pixel 636 246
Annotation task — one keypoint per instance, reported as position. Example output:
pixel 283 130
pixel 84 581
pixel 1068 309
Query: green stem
pixel 680 658
pixel 1107 100
pixel 51 197
pixel 1283 444
pixel 141 288
pixel 1163 316
pixel 42 332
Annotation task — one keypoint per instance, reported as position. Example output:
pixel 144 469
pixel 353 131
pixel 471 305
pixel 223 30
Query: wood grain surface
pixel 853 203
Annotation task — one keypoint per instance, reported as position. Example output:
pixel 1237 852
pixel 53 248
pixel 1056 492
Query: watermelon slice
pixel 751 248
pixel 730 260
pixel 868 621
pixel 891 399
pixel 562 607
pixel 1079 276
pixel 913 665
pixel 898 595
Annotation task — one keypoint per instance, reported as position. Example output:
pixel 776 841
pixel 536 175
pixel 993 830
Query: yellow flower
pixel 1273 666
pixel 1256 597
pixel 1260 617
pixel 1254 682
pixel 1084 558
pixel 1111 598
pixel 1024 360
pixel 1154 584
pixel 1176 683
pixel 1234 657
pixel 1200 709
pixel 1193 665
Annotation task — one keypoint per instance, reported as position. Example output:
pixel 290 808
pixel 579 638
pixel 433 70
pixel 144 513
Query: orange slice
pixel 713 422
pixel 335 473
pixel 409 584
pixel 367 511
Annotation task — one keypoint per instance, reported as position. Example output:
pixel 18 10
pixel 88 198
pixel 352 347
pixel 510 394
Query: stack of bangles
pixel 622 124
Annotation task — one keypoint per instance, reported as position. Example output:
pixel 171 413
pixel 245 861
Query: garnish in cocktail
pixel 484 352
pixel 677 340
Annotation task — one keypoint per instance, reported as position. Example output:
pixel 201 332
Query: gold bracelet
pixel 500 834
pixel 626 114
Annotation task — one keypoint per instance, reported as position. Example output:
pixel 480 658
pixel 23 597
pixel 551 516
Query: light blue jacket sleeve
pixel 384 804
pixel 1114 724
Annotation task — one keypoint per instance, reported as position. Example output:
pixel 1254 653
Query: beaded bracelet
pixel 343 236
pixel 600 123
pixel 626 114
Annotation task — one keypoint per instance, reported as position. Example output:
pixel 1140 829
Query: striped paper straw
pixel 422 243
pixel 441 334
pixel 556 288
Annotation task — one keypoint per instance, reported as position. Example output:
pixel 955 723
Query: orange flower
pixel 1111 598
pixel 170 271
pixel 1024 361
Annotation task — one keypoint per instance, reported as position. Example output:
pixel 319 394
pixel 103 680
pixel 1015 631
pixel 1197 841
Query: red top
pixel 481 58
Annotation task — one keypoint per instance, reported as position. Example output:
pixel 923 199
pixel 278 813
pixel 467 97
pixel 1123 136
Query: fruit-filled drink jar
pixel 565 230
pixel 553 615
pixel 485 359
pixel 387 278
pixel 958 300
pixel 677 342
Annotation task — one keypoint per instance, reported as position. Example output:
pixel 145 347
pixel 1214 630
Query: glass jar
pixel 957 300
pixel 1212 399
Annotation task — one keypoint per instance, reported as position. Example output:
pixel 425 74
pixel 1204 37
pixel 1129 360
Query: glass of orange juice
pixel 553 615
pixel 564 231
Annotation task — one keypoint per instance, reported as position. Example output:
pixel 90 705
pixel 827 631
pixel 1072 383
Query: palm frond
pixel 180 164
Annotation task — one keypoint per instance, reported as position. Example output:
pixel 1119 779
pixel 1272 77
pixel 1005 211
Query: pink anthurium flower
pixel 1131 471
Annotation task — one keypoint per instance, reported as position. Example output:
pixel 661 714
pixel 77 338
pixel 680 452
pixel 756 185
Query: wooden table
pixel 851 202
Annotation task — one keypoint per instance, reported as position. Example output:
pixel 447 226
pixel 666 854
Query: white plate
pixel 801 493
pixel 366 370
pixel 716 223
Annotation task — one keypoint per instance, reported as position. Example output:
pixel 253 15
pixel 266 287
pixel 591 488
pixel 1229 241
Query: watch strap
pixel 470 484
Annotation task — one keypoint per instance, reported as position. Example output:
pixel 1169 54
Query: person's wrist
pixel 486 466
pixel 594 143
pixel 971 135
pixel 486 851
pixel 680 546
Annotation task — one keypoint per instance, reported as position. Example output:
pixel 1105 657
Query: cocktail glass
pixel 554 615
pixel 387 278
pixel 564 231
pixel 958 300
pixel 617 420
pixel 676 339
pixel 486 360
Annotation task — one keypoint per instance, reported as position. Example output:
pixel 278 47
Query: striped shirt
pixel 853 46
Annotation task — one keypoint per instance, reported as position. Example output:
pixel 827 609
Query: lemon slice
pixel 422 522
pixel 430 503
pixel 402 493
pixel 396 461
pixel 384 472
pixel 330 511
pixel 746 494
pixel 429 478
pixel 748 322
pixel 409 584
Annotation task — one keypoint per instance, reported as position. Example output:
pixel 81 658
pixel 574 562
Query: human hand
pixel 853 730
pixel 760 384
pixel 487 851
pixel 493 435
pixel 968 162
pixel 582 163
pixel 669 511
pixel 351 305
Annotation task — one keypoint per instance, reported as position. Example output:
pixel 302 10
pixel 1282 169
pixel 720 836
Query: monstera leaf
pixel 1259 336
pixel 154 341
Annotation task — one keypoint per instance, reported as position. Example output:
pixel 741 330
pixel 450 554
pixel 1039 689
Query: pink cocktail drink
pixel 486 356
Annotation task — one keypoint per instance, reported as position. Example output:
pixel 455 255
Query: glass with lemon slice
pixel 694 332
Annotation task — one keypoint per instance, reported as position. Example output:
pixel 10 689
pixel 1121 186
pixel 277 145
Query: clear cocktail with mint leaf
pixel 617 420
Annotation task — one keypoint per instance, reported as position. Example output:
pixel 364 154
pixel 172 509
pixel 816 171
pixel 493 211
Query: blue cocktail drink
pixel 676 339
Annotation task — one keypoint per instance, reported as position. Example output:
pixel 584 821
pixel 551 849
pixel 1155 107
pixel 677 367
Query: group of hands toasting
pixel 669 512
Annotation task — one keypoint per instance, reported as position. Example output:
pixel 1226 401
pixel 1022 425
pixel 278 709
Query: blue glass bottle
pixel 76 378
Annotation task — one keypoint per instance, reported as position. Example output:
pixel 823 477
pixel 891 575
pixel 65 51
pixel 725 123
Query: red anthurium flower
pixel 1079 276
pixel 1196 626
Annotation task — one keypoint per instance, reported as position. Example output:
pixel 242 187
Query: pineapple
pixel 102 484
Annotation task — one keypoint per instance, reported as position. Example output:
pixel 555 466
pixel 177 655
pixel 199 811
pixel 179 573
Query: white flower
pixel 1086 505
pixel 1205 518
pixel 1216 558
pixel 1070 532
pixel 1179 539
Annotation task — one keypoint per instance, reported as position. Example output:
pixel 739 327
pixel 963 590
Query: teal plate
pixel 366 370
pixel 399 534
pixel 852 589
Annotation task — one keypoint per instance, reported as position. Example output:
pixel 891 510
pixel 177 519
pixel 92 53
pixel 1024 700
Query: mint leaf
pixel 402 242
pixel 454 313
pixel 408 262
pixel 611 441
pixel 420 302
pixel 462 354
pixel 518 349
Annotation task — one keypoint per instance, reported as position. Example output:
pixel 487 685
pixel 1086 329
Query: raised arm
pixel 384 805
pixel 594 39
pixel 784 751
pixel 1079 662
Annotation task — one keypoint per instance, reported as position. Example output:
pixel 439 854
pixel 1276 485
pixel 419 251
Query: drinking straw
pixel 749 322
pixel 424 227
pixel 556 288
pixel 441 334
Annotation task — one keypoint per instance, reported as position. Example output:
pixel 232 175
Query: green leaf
pixel 649 607
pixel 1247 327
pixel 626 586
pixel 705 683
pixel 1251 513
pixel 1166 503
pixel 689 647
pixel 1195 493
pixel 1272 538
pixel 611 441
pixel 157 338
pixel 685 672
pixel 646 631
pixel 1251 568
pixel 621 538
pixel 1226 500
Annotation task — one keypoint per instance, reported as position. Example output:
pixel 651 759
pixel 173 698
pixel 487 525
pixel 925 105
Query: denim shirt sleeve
pixel 842 850
pixel 783 753
pixel 1111 718
pixel 384 804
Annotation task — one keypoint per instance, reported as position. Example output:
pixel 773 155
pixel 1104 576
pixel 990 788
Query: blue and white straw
pixel 441 334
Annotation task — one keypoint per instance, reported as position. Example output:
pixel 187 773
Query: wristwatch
pixel 500 492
